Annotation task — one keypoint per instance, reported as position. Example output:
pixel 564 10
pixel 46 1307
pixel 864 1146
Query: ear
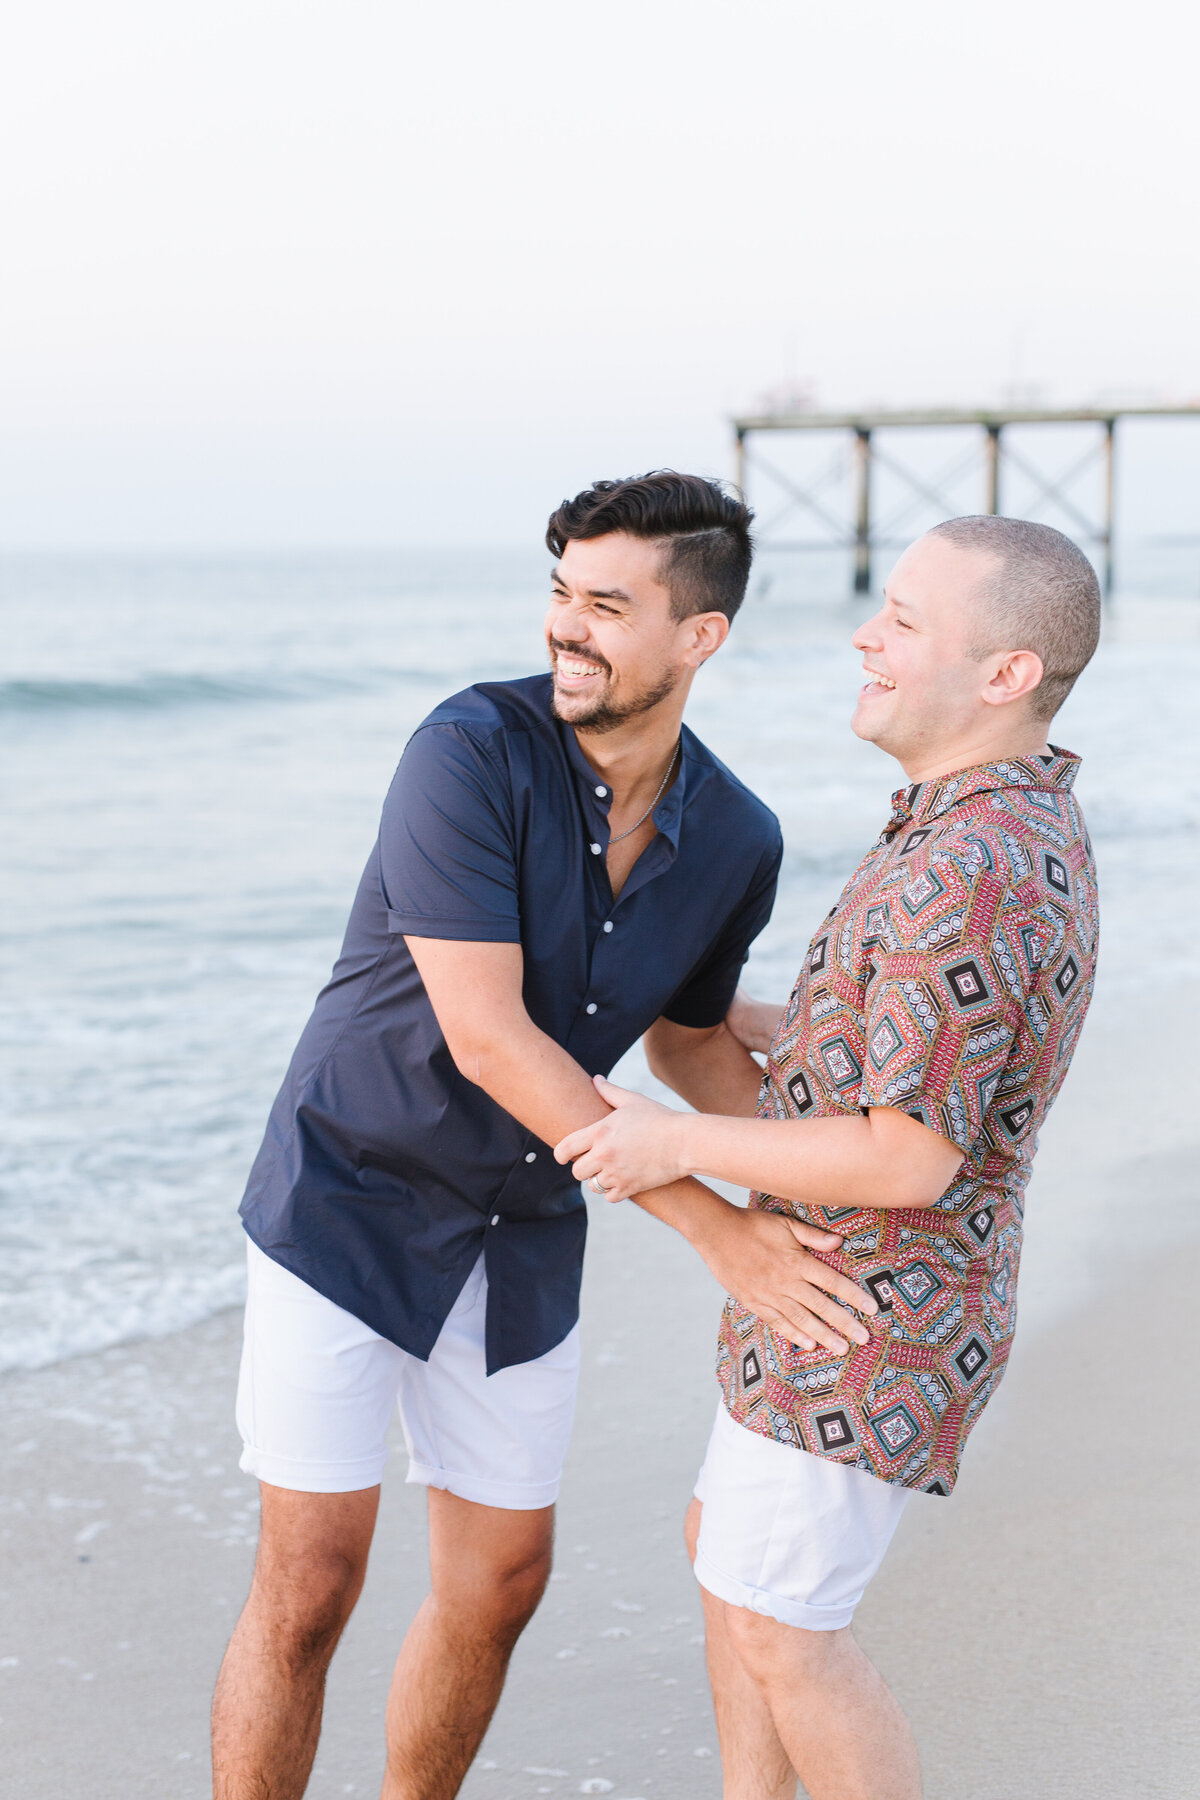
pixel 706 633
pixel 1015 675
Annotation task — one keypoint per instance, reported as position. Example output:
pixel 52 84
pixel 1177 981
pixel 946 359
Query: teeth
pixel 574 668
pixel 880 680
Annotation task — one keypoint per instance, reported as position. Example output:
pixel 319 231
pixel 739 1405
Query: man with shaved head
pixel 906 1080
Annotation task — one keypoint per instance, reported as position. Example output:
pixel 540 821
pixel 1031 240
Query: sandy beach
pixel 1041 1626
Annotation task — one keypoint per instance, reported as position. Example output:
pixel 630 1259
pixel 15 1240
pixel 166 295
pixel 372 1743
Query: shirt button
pixel 608 924
pixel 531 1156
pixel 601 793
pixel 595 849
pixel 591 1006
pixel 495 1218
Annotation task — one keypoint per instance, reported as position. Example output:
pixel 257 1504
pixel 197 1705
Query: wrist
pixel 709 1224
pixel 694 1211
pixel 766 1025
pixel 678 1142
pixel 705 1141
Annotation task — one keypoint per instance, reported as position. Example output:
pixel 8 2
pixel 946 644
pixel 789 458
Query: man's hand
pixel 475 991
pixel 753 1022
pixel 765 1261
pixel 865 1160
pixel 638 1145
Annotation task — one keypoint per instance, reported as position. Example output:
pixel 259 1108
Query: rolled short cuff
pixel 312 1477
pixel 772 1606
pixel 513 1496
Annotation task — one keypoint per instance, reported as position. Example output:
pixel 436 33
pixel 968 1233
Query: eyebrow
pixel 907 605
pixel 598 593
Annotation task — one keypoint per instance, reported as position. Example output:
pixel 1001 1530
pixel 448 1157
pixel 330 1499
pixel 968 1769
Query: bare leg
pixel 489 1567
pixel 755 1763
pixel 841 1728
pixel 312 1557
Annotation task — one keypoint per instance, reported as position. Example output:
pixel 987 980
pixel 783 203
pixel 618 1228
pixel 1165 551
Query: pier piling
pixel 858 534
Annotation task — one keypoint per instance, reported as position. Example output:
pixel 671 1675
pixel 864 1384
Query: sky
pixel 303 275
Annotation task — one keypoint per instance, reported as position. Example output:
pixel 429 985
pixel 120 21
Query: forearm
pixel 754 1022
pixel 692 1210
pixel 859 1161
pixel 475 990
pixel 715 1074
pixel 764 1260
pixel 539 1083
pixel 536 1081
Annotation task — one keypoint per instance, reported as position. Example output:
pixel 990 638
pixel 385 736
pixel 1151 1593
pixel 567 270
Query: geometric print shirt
pixel 950 980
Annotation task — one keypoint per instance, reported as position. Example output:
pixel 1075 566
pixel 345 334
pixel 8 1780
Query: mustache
pixel 564 647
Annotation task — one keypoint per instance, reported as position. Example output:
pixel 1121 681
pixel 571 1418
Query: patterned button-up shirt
pixel 951 980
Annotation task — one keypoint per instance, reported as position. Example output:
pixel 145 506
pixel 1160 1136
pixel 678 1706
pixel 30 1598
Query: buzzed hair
pixel 1043 596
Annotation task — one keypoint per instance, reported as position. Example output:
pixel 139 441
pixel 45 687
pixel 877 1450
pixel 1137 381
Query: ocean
pixel 194 752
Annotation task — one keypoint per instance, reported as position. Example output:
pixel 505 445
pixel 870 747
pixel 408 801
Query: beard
pixel 607 710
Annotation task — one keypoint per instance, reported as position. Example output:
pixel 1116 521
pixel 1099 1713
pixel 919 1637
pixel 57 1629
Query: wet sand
pixel 1042 1626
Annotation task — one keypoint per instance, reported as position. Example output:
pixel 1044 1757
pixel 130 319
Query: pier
pixel 991 450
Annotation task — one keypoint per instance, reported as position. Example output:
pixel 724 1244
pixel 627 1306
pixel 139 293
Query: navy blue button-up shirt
pixel 384 1171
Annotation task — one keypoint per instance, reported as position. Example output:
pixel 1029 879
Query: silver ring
pixel 596 1188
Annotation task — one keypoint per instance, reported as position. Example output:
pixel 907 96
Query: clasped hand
pixel 772 1264
pixel 636 1147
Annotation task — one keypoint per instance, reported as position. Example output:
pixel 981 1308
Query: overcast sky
pixel 361 273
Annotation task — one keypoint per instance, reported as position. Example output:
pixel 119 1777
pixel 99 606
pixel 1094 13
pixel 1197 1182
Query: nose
pixel 564 622
pixel 869 636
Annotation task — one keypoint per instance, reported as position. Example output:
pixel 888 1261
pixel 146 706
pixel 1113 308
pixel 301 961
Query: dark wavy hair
pixel 703 526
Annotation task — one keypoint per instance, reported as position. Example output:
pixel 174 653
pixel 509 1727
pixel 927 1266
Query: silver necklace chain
pixel 661 788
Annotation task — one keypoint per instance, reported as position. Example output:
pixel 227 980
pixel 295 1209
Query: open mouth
pixel 575 672
pixel 877 683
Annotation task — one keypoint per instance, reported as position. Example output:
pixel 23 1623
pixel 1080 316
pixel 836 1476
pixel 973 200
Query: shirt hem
pixel 481 931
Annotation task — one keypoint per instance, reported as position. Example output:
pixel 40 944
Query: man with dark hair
pixel 704 534
pixel 561 868
pixel 906 1081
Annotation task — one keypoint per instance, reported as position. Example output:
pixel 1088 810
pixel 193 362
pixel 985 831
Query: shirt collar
pixel 668 814
pixel 930 799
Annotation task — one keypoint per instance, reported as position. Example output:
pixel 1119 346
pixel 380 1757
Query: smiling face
pixel 926 696
pixel 615 649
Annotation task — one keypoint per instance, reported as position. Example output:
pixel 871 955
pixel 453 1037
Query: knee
pixel 311 1564
pixel 304 1603
pixel 769 1650
pixel 498 1597
pixel 517 1588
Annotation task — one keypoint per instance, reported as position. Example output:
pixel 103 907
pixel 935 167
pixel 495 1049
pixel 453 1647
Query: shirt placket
pixel 603 987
pixel 521 1184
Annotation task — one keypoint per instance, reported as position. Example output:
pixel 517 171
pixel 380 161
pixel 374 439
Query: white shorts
pixel 787 1534
pixel 317 1388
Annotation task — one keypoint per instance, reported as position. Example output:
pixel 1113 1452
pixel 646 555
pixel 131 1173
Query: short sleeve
pixel 941 1013
pixel 446 842
pixel 705 996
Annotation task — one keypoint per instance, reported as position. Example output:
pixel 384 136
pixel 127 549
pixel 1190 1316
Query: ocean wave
pixel 62 1313
pixel 159 692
